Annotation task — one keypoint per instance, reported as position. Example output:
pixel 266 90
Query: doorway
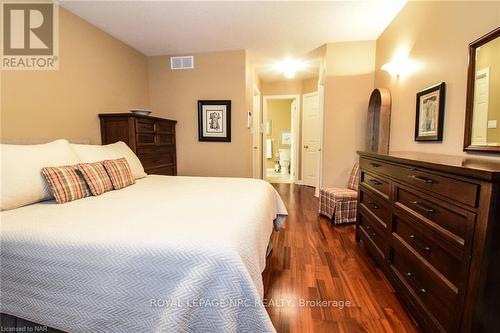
pixel 280 119
pixel 256 135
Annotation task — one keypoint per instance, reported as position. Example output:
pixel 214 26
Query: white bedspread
pixel 168 254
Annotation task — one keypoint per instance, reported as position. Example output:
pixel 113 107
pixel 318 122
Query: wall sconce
pixel 401 65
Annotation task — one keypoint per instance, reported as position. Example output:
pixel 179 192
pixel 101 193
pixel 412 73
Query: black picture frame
pixel 223 109
pixel 430 131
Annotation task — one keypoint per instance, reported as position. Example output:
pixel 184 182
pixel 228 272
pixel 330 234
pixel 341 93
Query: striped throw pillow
pixel 119 172
pixel 96 177
pixel 66 182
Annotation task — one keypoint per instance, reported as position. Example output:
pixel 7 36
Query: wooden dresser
pixel 152 139
pixel 432 222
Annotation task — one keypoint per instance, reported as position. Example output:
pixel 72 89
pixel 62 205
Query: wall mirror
pixel 482 117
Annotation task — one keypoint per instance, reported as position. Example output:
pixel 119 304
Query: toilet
pixel 284 160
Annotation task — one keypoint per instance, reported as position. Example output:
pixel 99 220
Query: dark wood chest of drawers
pixel 152 139
pixel 433 224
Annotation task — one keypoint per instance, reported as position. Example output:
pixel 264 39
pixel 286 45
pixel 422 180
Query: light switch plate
pixel 492 124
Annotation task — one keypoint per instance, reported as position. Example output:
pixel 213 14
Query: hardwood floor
pixel 312 259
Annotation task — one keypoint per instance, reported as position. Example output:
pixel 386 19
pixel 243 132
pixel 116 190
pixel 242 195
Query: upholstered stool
pixel 340 204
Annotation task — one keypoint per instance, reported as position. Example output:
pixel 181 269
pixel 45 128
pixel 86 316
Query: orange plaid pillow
pixel 66 182
pixel 119 172
pixel 96 177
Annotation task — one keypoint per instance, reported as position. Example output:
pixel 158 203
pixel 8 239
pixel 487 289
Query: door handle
pixel 306 146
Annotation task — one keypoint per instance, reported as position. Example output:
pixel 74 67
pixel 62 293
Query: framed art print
pixel 430 113
pixel 214 120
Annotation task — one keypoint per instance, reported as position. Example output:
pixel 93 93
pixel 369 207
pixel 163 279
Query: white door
pixel 480 114
pixel 310 139
pixel 293 146
pixel 256 137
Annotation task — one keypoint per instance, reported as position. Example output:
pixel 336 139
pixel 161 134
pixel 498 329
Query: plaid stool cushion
pixel 339 204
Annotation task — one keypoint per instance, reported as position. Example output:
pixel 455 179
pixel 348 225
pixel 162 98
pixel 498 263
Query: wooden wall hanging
pixel 379 121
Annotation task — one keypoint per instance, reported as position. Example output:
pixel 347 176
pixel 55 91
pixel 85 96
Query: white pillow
pixel 95 153
pixel 22 182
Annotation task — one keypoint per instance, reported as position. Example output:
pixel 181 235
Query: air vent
pixel 184 62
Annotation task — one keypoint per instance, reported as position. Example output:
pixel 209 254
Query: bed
pixel 167 254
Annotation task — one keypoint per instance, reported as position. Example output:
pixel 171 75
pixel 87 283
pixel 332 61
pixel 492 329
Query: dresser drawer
pixel 376 166
pixel 144 125
pixel 164 127
pixel 145 139
pixel 165 139
pixel 153 161
pixel 445 258
pixel 455 189
pixel 455 220
pixel 458 190
pixel 156 156
pixel 373 233
pixel 376 183
pixel 377 206
pixel 164 170
pixel 438 300
pixel 147 150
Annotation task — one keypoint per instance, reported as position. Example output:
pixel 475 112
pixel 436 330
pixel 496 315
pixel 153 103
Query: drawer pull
pixel 423 207
pixel 375 182
pixel 367 227
pixel 373 204
pixel 374 234
pixel 425 248
pixel 422 179
pixel 375 165
pixel 422 290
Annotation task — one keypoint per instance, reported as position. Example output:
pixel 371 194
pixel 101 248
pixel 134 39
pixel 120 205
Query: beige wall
pixel 280 113
pixel 97 74
pixel 348 84
pixel 284 87
pixel 174 94
pixel 310 85
pixel 437 35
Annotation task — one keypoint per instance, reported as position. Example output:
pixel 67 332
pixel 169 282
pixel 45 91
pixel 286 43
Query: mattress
pixel 167 254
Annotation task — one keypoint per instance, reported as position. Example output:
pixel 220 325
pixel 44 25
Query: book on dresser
pixel 432 222
pixel 152 139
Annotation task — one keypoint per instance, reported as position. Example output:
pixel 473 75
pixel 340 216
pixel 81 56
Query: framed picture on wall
pixel 214 120
pixel 286 138
pixel 430 113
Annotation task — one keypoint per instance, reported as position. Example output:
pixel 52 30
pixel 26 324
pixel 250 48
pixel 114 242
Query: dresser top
pixel 485 169
pixel 130 114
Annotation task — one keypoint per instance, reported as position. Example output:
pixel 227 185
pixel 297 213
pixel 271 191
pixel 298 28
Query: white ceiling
pixel 269 30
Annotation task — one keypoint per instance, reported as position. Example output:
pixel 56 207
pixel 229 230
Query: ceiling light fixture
pixel 289 67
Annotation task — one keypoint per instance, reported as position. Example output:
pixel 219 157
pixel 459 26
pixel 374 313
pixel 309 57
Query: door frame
pixel 321 100
pixel 294 126
pixel 256 131
pixel 320 116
